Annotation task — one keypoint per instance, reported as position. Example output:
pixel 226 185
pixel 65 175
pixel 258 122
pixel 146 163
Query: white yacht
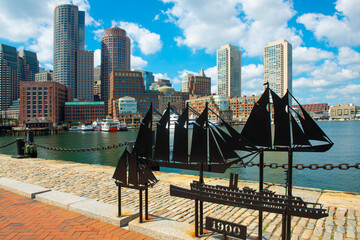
pixel 109 125
pixel 86 127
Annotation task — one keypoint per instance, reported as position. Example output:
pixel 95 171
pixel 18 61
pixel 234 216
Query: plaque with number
pixel 224 227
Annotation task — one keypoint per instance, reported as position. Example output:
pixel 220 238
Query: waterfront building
pixel 185 81
pixel 278 66
pixel 28 65
pixel 344 112
pixel 43 99
pixel 84 111
pixel 125 110
pixel 169 95
pixel 148 78
pixel 85 75
pixel 316 111
pixel 131 83
pixel 69 38
pixel 97 82
pixel 115 56
pixel 199 85
pixel 228 64
pixel 44 76
pixel 160 83
pixel 241 107
pixel 218 103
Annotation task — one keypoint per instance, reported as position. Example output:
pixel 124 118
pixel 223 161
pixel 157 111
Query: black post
pixel 283 227
pixel 119 200
pixel 261 187
pixel 140 205
pixel 196 217
pixel 146 204
pixel 201 217
pixel 289 178
pixel 20 146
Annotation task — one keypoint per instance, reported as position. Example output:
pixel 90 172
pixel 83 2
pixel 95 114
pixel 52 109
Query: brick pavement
pixel 24 218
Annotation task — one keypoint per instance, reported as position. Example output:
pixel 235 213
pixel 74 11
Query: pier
pixel 95 182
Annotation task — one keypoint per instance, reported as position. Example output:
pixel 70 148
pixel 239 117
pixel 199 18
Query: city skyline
pixel 174 36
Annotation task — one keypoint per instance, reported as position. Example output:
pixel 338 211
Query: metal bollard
pixel 20 143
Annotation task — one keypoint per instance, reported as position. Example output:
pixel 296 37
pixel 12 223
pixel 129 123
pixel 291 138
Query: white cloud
pixel 212 73
pixel 325 76
pixel 305 55
pixel 138 62
pixel 158 76
pixel 341 29
pixel 147 41
pixel 208 24
pixel 305 59
pixel 348 56
pixel 98 33
pixel 97 57
pixel 31 22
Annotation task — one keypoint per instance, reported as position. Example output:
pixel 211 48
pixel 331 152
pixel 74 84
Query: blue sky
pixel 170 37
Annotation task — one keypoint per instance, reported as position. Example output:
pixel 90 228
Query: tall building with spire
pixel 200 85
pixel 69 38
pixel 115 56
pixel 228 64
pixel 278 66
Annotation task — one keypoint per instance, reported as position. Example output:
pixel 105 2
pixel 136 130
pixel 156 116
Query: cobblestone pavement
pixel 95 182
pixel 24 218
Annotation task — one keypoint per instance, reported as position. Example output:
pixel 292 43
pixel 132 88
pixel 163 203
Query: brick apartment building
pixel 84 111
pixel 218 104
pixel 241 107
pixel 43 99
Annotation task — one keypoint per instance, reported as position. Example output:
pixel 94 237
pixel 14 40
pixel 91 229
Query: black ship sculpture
pixel 215 150
pixel 132 172
pixel 211 149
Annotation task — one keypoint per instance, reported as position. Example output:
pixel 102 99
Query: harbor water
pixel 346 149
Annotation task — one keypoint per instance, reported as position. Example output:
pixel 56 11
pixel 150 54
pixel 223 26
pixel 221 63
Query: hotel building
pixel 228 63
pixel 43 99
pixel 84 111
pixel 278 66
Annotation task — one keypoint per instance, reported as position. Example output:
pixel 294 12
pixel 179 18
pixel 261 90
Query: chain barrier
pixel 8 144
pixel 81 149
pixel 327 166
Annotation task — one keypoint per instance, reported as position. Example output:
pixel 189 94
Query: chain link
pixel 313 166
pixel 81 149
pixel 8 144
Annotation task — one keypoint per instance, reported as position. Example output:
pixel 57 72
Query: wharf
pixel 95 182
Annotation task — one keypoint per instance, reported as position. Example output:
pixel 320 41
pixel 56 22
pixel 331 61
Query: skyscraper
pixel 278 66
pixel 200 85
pixel 228 61
pixel 115 55
pixel 85 75
pixel 69 37
pixel 28 65
pixel 8 76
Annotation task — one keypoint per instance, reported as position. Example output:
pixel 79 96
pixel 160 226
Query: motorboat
pixel 86 127
pixel 109 125
pixel 75 128
pixel 96 125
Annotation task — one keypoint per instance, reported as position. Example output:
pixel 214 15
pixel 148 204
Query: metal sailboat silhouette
pixel 212 149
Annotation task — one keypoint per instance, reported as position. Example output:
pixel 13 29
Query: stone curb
pixel 21 188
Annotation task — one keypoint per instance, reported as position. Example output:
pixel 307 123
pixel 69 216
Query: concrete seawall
pixel 95 182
